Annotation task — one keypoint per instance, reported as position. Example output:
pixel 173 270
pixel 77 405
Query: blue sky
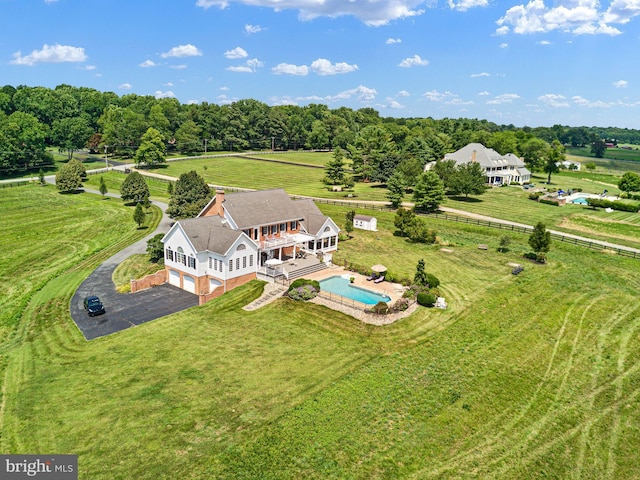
pixel 534 63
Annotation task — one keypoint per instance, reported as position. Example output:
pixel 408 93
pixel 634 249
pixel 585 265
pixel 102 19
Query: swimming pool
pixel 341 286
pixel 580 200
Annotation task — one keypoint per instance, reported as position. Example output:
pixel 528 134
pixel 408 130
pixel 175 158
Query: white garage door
pixel 189 284
pixel 213 284
pixel 174 278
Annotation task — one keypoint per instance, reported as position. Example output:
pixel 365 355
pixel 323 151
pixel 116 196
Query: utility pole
pixel 205 146
pixel 273 143
pixel 106 157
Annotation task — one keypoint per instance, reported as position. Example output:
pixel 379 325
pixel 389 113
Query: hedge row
pixel 614 204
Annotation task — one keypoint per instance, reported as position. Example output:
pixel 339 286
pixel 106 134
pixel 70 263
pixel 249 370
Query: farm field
pixel 508 203
pixel 245 172
pixel 529 376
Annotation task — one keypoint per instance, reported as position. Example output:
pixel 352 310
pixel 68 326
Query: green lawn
pixel 529 376
pixel 114 180
pixel 255 173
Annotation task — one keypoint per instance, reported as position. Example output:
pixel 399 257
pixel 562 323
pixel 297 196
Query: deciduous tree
pixel 630 182
pixel 139 215
pixel 151 150
pixel 190 195
pixel 68 178
pixel 540 239
pixel 134 188
pixel 103 187
pixel 468 179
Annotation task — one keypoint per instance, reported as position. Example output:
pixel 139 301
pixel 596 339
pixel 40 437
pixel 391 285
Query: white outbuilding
pixel 365 222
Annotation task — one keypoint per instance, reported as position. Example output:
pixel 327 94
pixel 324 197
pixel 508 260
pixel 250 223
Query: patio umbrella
pixel 379 268
pixel 273 262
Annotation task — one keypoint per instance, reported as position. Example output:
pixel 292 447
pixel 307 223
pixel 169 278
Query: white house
pixel 234 236
pixel 365 222
pixel 569 165
pixel 498 169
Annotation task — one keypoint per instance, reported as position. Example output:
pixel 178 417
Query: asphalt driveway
pixel 124 310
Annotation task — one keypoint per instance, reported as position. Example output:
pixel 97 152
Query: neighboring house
pixel 364 222
pixel 233 237
pixel 569 165
pixel 498 169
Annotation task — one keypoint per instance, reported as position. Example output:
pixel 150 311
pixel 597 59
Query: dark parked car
pixel 93 306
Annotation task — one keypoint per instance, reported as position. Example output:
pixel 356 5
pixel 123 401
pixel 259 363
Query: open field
pixel 114 180
pixel 610 153
pixel 259 174
pixel 48 233
pixel 508 203
pixel 534 376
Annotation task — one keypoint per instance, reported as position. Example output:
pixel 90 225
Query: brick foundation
pixel 149 281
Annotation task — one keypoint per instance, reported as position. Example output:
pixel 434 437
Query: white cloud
pixel 279 101
pixel 484 94
pixel 168 84
pixel 255 63
pixel 125 86
pixel 314 98
pixel 621 84
pixel 504 98
pixel 436 96
pixel 391 41
pixel 554 100
pixel 251 29
pixel 237 52
pixel 481 74
pixel 392 104
pixel 250 66
pixel 371 13
pixel 224 89
pixel 463 5
pixel 50 1
pixel 167 94
pixel 87 67
pixel 322 66
pixel 504 45
pixel 544 42
pixel 580 17
pixel 178 67
pixel 51 54
pixel 148 64
pixel 403 93
pixel 414 61
pixel 622 11
pixel 583 102
pixel 362 93
pixel 183 51
pixel 446 98
pixel 289 69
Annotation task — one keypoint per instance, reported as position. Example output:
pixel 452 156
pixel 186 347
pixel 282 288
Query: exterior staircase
pixel 306 270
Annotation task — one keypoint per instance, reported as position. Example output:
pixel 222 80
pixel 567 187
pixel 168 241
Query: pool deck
pixel 393 290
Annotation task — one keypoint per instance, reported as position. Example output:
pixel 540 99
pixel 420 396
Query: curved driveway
pixel 125 310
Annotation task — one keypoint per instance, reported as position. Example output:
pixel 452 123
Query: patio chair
pixel 371 277
pixel 379 279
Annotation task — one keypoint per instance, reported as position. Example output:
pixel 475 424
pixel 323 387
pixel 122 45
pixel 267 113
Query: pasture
pixel 534 376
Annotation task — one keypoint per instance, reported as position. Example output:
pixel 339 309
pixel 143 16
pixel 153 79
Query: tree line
pixel 33 119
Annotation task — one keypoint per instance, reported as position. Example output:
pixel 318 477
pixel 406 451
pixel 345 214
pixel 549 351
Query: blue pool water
pixel 342 286
pixel 580 200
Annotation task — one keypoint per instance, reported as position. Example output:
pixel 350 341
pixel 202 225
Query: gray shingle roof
pixel 252 209
pixel 209 233
pixel 486 157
